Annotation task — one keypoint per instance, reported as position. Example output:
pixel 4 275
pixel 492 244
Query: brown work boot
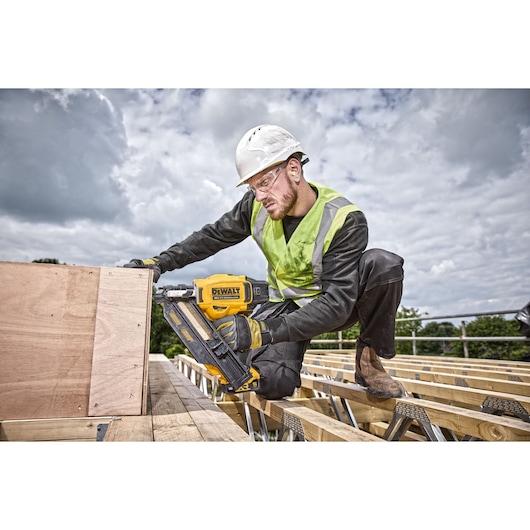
pixel 369 372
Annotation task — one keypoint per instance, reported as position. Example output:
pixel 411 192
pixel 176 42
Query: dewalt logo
pixel 225 292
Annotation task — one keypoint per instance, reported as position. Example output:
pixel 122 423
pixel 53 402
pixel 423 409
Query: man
pixel 321 277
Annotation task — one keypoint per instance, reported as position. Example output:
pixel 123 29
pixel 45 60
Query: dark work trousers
pixel 379 296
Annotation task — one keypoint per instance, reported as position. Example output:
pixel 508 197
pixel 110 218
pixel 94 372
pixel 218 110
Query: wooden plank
pixel 503 373
pixel 46 339
pixel 171 420
pixel 130 428
pixel 236 411
pixel 430 389
pixel 430 361
pixel 365 414
pixel 456 418
pixel 69 429
pixel 316 426
pixel 338 372
pixel 508 374
pixel 470 362
pixel 211 421
pixel 458 394
pixel 117 385
pixel 496 385
pixel 478 424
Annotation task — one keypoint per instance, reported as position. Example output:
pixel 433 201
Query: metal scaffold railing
pixel 463 337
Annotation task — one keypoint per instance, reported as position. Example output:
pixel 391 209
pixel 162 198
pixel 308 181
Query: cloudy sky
pixel 97 177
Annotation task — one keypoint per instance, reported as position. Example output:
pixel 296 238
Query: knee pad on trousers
pixel 276 380
pixel 379 267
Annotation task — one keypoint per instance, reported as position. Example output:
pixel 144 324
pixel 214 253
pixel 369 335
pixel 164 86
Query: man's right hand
pixel 150 263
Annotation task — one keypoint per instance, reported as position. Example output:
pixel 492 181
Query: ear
pixel 294 169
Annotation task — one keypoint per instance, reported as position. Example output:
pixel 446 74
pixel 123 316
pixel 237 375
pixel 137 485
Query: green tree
pixel 348 334
pixel 163 339
pixel 494 326
pixel 406 329
pixel 437 329
pixel 53 261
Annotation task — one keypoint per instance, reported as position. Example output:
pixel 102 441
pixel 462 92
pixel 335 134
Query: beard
pixel 285 203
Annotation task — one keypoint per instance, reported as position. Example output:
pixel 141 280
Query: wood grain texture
pixel 120 354
pixel 317 427
pixel 47 315
pixel 181 412
pixel 60 429
pixel 130 428
pixel 479 424
pixel 72 337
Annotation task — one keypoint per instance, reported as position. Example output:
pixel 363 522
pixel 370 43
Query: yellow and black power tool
pixel 190 311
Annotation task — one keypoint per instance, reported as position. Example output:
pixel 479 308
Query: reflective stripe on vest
pixel 295 269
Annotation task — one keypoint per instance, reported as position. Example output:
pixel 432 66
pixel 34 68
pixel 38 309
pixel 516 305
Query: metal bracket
pixel 248 420
pixel 264 433
pixel 291 424
pixel 404 415
pixel 333 402
pixel 498 406
pixel 264 429
pixel 101 431
pixel 349 413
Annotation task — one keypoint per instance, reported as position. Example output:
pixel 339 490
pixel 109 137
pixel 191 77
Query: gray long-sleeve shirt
pixel 339 276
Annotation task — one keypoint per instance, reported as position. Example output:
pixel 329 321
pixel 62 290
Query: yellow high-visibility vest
pixel 294 269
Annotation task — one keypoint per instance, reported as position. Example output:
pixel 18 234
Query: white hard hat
pixel 262 147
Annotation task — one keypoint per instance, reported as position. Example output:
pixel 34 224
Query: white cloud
pixel 442 175
pixel 445 267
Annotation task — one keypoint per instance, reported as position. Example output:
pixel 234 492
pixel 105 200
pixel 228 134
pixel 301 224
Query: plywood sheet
pixel 71 337
pixel 47 317
pixel 118 382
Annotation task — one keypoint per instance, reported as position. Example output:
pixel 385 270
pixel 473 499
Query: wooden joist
pixel 314 415
pixel 504 379
pixel 460 420
pixel 427 359
pixel 461 369
pixel 456 408
pixel 470 361
pixel 483 383
pixel 445 390
pixel 313 425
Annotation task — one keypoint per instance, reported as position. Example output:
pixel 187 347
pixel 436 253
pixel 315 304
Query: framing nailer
pixel 190 311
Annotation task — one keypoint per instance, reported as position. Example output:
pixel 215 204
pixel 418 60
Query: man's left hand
pixel 243 333
pixel 151 263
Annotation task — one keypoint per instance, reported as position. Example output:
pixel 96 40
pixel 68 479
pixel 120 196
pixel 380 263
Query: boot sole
pixel 359 379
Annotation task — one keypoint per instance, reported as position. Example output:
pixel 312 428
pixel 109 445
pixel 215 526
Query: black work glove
pixel 150 263
pixel 243 333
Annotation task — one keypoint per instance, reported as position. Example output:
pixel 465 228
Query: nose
pixel 260 195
